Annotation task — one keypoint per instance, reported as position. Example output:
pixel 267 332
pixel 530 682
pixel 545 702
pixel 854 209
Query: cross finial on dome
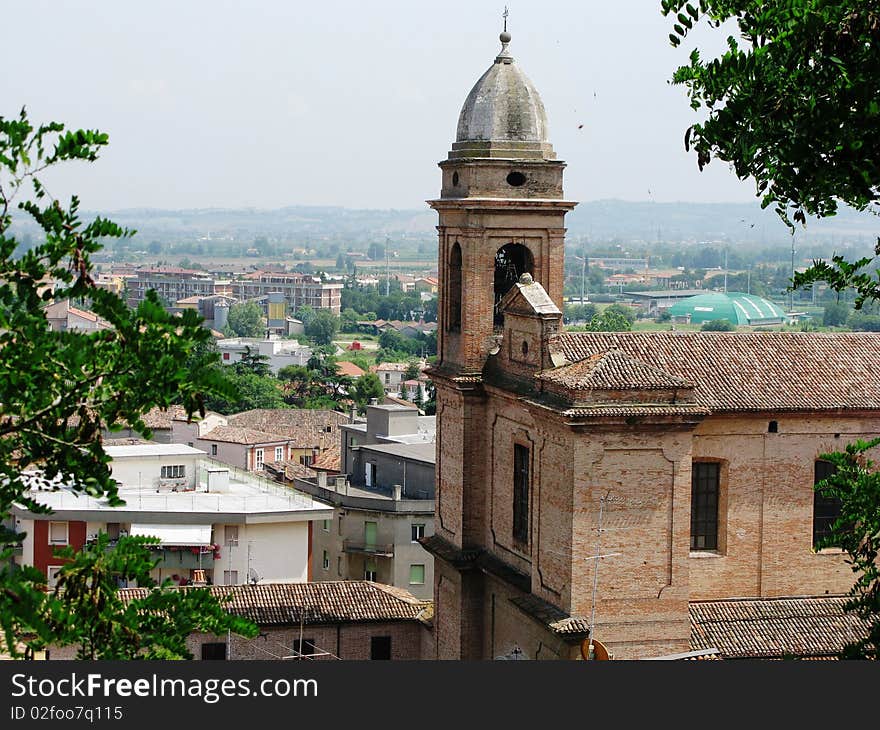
pixel 504 56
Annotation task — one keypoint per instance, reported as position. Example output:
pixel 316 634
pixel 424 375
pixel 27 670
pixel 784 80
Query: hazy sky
pixel 269 103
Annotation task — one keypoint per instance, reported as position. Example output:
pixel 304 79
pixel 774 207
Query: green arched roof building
pixel 736 307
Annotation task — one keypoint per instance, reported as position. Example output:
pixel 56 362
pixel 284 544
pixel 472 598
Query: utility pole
pixel 387 269
pixel 725 269
pixel 791 293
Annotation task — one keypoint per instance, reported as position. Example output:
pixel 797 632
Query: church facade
pixel 609 480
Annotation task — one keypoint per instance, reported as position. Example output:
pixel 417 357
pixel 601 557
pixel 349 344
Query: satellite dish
pixel 253 576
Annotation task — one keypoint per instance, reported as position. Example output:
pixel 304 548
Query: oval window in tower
pixel 516 179
pixel 455 179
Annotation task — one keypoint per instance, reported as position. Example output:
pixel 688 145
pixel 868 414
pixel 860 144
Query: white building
pixel 280 352
pixel 214 522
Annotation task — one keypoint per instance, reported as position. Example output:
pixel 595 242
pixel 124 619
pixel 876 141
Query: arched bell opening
pixel 511 261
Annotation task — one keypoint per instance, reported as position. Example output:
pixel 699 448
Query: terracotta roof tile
pixel 306 428
pixel 343 367
pixel 287 604
pixel 329 460
pixel 751 371
pixel 774 627
pixel 238 435
pixel 612 370
pixel 156 418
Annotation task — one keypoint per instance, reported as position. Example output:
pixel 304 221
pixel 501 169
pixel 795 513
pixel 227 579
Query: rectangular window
pixel 325 525
pixel 305 459
pixel 52 575
pixel 214 650
pixel 225 355
pixel 279 453
pixel 380 647
pixel 174 471
pixel 258 459
pixel 213 449
pixel 113 530
pixel 58 533
pixel 303 647
pixel 339 565
pixel 370 570
pixel 826 509
pixel 705 478
pixel 520 493
pixel 418 531
pixel 326 562
pixel 231 535
pixel 370 531
pixel 417 574
pixel 369 474
pixel 340 524
pixel 230 577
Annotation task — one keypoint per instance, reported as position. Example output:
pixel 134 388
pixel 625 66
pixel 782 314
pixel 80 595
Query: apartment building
pixel 215 524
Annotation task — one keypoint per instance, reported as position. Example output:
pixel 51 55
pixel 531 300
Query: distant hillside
pixel 596 220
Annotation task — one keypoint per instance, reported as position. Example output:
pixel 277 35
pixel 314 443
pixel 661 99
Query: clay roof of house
pixel 157 418
pixel 289 469
pixel 343 367
pixel 239 435
pixel 612 370
pixel 750 371
pixel 305 427
pixel 329 460
pixel 394 367
pixel 774 627
pixel 332 602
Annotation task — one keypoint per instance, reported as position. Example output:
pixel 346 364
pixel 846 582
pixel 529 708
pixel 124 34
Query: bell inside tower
pixel 511 261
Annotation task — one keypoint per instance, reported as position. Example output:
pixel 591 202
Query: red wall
pixel 43 557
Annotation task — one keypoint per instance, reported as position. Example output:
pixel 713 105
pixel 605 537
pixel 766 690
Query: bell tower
pixel 501 212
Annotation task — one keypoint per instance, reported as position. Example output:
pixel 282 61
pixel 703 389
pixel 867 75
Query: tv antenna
pixel 597 557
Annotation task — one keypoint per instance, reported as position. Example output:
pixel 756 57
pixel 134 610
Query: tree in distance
pixel 245 319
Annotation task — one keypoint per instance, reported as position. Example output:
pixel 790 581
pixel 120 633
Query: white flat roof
pixel 124 452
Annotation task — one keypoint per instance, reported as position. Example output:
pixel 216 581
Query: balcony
pixel 185 558
pixel 364 548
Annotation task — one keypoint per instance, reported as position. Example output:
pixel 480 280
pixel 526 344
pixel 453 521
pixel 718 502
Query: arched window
pixel 511 262
pixel 453 312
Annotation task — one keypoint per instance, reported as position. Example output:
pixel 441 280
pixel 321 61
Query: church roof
pixel 749 371
pixel 503 116
pixel 613 370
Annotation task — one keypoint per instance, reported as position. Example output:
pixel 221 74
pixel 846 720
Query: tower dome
pixel 503 116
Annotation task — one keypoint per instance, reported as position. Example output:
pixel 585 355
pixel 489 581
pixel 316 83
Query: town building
pixel 654 302
pixel 384 495
pixel 215 524
pixel 738 308
pixel 298 290
pixel 251 439
pixel 280 353
pixel 603 484
pixel 173 284
pixel 63 317
pixel 348 620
